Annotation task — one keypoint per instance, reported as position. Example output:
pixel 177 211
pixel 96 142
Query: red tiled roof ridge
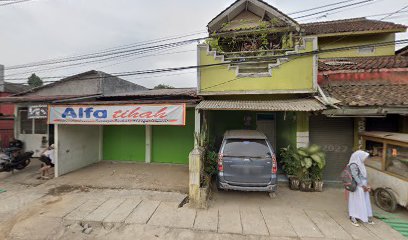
pixel 361 57
pixel 334 84
pixel 363 63
pixel 336 21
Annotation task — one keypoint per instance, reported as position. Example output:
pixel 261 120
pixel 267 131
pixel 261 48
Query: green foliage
pixel 313 162
pixel 291 161
pixel 210 163
pixel 163 86
pixel 34 81
pixel 305 163
pixel 210 156
pixel 214 43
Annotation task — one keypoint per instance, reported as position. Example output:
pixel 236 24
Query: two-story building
pixel 260 70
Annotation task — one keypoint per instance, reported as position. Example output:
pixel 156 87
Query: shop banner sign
pixel 135 114
pixel 37 112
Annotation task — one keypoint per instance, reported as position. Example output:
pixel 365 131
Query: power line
pixel 347 9
pixel 389 15
pixel 14 2
pixel 163 70
pixel 228 81
pixel 332 9
pixel 106 52
pixel 96 61
pixel 324 6
pixel 151 55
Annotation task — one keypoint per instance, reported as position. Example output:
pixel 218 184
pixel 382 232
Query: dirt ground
pixel 107 174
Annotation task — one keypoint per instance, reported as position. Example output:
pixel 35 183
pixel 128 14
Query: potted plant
pixel 312 161
pixel 316 170
pixel 291 166
pixel 305 164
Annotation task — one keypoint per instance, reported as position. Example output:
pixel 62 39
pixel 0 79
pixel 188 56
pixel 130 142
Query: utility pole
pixel 2 83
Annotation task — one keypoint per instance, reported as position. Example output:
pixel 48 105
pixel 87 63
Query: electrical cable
pixel 332 9
pixel 14 2
pixel 394 13
pixel 162 70
pixel 324 6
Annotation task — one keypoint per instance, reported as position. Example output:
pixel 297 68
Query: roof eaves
pixel 283 15
pixel 57 82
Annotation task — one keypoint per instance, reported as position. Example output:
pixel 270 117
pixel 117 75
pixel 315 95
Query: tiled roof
pixel 15 87
pixel 363 63
pixel 402 51
pixel 190 92
pixel 365 94
pixel 349 25
pixel 300 105
pixel 45 99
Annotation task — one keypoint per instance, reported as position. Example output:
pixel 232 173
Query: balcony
pixel 257 67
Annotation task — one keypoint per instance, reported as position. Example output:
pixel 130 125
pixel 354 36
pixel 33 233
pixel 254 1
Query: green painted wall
pixel 221 121
pixel 172 144
pixel 124 143
pixel 285 130
pixel 353 40
pixel 296 74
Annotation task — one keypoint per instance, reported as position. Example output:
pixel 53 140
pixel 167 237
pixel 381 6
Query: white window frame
pixel 32 124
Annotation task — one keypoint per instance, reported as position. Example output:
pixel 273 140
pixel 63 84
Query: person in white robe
pixel 359 204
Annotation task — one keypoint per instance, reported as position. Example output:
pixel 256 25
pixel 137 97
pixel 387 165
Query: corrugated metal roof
pixel 299 105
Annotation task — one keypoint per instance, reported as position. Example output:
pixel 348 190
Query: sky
pixel 45 29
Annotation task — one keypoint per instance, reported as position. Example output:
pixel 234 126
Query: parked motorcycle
pixel 13 159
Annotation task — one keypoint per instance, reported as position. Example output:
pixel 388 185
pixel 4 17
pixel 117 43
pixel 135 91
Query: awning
pixel 297 105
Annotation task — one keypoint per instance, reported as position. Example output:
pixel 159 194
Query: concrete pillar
pixel 148 154
pixel 197 198
pixel 100 143
pixel 56 152
pixel 359 126
pixel 197 127
pixel 302 133
pixel 2 83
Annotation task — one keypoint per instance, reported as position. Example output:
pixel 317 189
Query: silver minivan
pixel 246 162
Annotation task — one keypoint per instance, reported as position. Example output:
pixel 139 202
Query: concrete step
pixel 252 69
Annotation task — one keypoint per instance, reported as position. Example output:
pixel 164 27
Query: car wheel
pixel 385 199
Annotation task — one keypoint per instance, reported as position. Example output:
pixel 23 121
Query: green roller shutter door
pixel 172 144
pixel 124 143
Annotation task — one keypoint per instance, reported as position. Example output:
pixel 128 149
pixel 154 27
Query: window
pixel 26 125
pixel 31 126
pixel 40 126
pixel 366 50
pixel 396 160
pixel 246 148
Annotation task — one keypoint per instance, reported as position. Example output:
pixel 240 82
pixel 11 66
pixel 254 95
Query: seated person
pixel 47 157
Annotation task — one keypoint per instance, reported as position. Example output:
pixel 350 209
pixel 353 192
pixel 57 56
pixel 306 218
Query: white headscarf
pixel 359 157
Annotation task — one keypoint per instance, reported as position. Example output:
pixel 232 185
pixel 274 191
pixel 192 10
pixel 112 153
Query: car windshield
pixel 246 148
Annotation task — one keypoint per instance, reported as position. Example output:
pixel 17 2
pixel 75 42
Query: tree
pixel 34 81
pixel 163 86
